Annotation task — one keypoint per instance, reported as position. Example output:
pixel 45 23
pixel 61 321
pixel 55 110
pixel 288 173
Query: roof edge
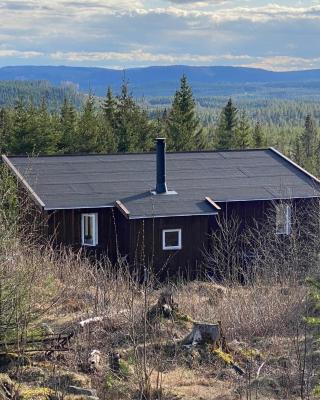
pixel 314 178
pixel 23 181
pixel 173 215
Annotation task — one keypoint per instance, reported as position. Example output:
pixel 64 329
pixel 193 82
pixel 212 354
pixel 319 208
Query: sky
pixel 276 35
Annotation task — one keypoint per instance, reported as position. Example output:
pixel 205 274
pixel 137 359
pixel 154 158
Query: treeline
pixel 121 124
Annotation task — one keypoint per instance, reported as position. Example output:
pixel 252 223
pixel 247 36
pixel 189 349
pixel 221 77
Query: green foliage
pixel 258 139
pixel 132 127
pixel 182 123
pixel 87 132
pixel 315 296
pixel 243 132
pixel 227 127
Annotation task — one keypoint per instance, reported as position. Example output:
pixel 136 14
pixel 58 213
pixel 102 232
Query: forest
pixel 37 118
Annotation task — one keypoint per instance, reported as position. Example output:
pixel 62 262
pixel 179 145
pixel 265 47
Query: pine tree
pixel 243 138
pixel 227 124
pixel 258 136
pixel 182 124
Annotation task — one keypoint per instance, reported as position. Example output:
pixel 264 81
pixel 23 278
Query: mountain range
pixel 164 80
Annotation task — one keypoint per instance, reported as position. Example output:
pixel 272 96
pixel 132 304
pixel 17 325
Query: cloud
pixel 19 54
pixel 144 32
pixel 204 2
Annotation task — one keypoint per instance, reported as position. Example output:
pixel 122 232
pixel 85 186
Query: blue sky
pixel 277 35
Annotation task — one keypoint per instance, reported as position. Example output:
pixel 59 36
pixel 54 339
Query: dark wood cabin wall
pixel 65 228
pixel 146 244
pixel 140 241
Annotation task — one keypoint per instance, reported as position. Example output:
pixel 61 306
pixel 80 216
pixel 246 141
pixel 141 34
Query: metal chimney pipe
pixel 161 166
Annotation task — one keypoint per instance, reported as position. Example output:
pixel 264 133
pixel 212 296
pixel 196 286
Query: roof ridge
pixel 136 153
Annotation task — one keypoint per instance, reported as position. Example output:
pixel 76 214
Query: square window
pixel 283 219
pixel 89 229
pixel 171 239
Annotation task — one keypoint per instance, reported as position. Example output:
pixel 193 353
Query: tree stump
pixel 203 333
pixel 165 307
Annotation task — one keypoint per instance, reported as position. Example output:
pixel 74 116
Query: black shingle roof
pixel 91 181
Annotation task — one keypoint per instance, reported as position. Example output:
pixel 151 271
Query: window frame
pixel 94 217
pixel 179 246
pixel 286 228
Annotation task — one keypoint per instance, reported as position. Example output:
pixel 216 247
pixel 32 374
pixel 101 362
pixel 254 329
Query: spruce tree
pixel 108 107
pixel 310 145
pixel 243 138
pixel 227 124
pixel 107 124
pixel 46 131
pixel 258 136
pixel 309 137
pixel 87 128
pixel 68 121
pixel 132 128
pixel 5 129
pixel 182 124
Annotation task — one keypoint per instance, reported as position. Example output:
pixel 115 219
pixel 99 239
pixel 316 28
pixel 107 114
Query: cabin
pixel 159 208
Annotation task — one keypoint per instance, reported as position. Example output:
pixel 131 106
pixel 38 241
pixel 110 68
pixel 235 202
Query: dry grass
pixel 246 311
pixel 62 288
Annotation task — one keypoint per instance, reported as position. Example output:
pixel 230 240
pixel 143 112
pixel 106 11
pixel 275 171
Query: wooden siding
pixel 140 241
pixel 146 244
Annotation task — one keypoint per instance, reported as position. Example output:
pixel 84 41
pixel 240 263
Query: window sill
pixel 172 248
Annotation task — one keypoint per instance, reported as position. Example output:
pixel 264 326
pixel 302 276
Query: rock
pixel 82 391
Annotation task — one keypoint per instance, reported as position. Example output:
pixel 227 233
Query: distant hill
pixel 163 80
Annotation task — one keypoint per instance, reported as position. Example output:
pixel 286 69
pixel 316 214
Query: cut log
pixel 203 333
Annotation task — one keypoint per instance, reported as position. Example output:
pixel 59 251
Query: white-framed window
pixel 283 219
pixel 89 229
pixel 171 239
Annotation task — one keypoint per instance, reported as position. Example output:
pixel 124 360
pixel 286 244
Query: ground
pixel 263 341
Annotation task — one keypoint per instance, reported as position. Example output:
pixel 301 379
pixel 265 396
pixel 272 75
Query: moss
pixel 116 387
pixel 227 358
pixel 125 369
pixel 316 391
pixel 251 354
pixel 36 393
pixel 182 317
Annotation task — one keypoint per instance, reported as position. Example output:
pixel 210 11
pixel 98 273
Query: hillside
pixel 37 91
pixel 162 80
